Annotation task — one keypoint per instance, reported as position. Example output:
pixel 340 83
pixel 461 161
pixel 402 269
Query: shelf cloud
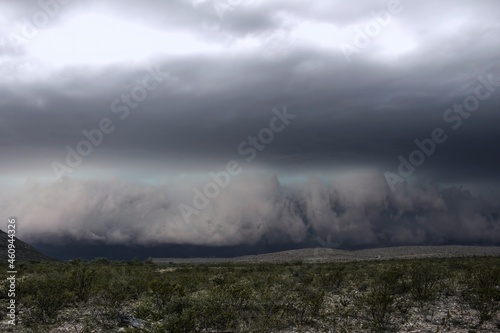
pixel 113 115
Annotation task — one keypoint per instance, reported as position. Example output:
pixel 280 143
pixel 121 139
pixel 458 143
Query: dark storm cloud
pixel 358 210
pixel 361 119
pixel 257 56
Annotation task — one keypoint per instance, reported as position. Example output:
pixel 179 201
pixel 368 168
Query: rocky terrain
pixel 398 289
pixel 311 291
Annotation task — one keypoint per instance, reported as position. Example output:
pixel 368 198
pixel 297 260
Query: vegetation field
pixel 424 295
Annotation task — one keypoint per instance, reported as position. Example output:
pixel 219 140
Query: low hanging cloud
pixel 356 210
pixel 225 65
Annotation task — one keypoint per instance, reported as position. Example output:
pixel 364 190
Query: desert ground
pixel 408 289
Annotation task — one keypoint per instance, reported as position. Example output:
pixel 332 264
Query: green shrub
pixel 81 281
pixel 165 296
pixel 333 279
pixel 385 298
pixel 424 281
pixel 483 293
pixel 44 296
pixel 213 313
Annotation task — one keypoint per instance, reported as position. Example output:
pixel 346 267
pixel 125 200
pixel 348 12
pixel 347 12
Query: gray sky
pixel 363 80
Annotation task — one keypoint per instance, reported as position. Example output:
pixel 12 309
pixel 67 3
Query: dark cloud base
pixel 261 55
pixel 254 214
pixel 117 252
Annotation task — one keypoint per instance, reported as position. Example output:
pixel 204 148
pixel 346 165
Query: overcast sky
pixel 113 114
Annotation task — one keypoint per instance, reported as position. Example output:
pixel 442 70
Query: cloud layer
pixel 356 210
pixel 221 68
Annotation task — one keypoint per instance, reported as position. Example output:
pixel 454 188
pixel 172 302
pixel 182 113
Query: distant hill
pixel 24 252
pixel 329 255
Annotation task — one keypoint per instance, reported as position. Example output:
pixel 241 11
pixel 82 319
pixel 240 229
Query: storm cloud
pixel 179 85
pixel 357 210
